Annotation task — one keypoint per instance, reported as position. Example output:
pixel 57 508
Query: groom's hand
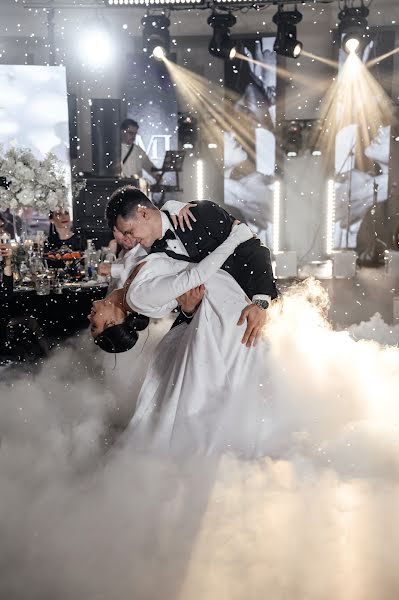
pixel 190 300
pixel 256 319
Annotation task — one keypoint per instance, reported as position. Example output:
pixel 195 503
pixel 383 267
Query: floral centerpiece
pixel 32 183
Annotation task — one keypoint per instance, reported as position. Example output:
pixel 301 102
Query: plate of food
pixel 70 261
pixel 64 255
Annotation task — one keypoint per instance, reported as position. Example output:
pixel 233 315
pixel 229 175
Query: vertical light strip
pixel 200 179
pixel 330 224
pixel 276 217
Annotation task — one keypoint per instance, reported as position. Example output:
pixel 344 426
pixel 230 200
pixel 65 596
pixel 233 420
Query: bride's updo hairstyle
pixel 122 337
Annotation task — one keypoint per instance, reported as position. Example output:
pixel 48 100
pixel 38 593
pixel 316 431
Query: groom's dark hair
pixel 124 202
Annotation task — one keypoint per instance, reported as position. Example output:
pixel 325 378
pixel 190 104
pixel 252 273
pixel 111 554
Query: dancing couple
pixel 211 368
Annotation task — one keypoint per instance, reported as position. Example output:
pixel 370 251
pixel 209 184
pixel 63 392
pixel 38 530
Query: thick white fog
pixel 81 517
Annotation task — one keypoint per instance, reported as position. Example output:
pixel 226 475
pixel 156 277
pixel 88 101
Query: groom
pixel 134 216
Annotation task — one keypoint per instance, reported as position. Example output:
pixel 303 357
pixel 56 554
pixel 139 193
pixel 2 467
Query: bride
pixel 204 390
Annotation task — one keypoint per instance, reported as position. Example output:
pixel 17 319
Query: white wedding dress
pixel 204 391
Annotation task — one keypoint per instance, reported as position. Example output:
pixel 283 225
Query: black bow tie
pixel 161 245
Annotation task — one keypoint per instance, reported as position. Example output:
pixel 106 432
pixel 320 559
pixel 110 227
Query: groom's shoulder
pixel 205 205
pixel 208 208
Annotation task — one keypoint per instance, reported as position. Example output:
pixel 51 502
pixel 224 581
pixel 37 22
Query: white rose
pixel 52 200
pixel 9 165
pixel 23 173
pixel 26 197
pixel 45 178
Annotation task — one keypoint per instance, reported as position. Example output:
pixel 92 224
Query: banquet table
pixel 59 314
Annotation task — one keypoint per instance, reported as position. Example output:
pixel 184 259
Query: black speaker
pixel 106 137
pixel 89 207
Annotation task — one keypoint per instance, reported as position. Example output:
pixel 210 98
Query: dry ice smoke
pixel 316 519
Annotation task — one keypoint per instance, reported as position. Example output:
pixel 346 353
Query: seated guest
pixel 21 337
pixel 61 232
pixel 127 258
pixel 114 248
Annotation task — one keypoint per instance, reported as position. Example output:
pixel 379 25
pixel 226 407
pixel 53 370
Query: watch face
pixel 262 303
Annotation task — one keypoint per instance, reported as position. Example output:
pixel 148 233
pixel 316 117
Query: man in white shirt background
pixel 134 160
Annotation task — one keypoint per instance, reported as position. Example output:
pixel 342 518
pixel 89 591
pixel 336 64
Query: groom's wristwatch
pixel 262 301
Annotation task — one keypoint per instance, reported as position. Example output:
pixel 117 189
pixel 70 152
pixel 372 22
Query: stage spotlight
pixel 159 53
pixel 221 45
pixel 186 131
pixel 353 28
pixel 286 42
pixel 156 39
pixel 351 45
pixel 96 47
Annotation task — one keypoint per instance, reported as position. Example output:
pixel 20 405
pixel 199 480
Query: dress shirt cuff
pixel 262 297
pixel 239 234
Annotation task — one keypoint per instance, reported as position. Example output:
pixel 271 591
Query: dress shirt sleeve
pixel 173 206
pixel 146 295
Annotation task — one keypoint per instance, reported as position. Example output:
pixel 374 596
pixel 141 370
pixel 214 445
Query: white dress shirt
pixel 154 290
pixel 136 162
pixel 176 245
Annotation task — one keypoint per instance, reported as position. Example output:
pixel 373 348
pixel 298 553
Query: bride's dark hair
pixel 122 337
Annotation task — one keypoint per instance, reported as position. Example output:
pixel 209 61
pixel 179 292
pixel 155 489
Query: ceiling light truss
pixel 286 42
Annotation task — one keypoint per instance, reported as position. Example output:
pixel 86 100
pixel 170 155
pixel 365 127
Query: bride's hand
pixel 184 216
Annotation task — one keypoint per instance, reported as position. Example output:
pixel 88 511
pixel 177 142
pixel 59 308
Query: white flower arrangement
pixel 32 183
